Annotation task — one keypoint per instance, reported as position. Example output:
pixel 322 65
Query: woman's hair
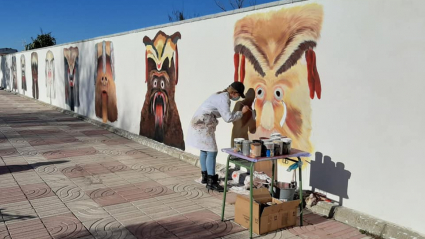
pixel 228 90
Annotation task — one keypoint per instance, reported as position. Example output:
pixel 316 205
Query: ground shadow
pixel 329 176
pixel 10 217
pixel 19 168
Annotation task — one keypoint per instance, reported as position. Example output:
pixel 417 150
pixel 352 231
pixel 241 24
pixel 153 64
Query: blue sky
pixel 77 20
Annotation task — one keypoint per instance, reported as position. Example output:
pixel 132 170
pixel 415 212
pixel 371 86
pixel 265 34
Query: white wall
pixel 370 118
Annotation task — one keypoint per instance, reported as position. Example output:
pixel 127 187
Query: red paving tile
pixel 65 226
pixel 35 191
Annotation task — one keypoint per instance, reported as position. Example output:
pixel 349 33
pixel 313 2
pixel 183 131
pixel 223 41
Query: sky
pixel 70 21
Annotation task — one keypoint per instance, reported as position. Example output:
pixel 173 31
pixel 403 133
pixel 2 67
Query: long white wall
pixel 369 120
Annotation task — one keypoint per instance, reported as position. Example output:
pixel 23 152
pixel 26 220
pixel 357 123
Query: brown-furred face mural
pixel 14 74
pixel 105 95
pixel 50 76
pixel 71 77
pixel 274 56
pixel 34 73
pixel 160 118
pixel 23 74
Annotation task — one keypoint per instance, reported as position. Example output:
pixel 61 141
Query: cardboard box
pixel 266 219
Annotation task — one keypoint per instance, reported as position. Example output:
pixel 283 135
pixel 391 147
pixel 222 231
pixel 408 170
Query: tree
pixel 235 4
pixel 177 15
pixel 42 40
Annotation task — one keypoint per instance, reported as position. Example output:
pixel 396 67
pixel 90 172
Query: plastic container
pixel 256 150
pixel 270 149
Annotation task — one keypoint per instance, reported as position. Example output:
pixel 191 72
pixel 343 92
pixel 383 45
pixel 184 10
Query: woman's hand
pixel 245 109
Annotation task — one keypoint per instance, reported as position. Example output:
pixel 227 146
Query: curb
pixel 362 221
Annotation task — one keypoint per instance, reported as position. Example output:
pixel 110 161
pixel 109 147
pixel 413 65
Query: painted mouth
pixel 159 107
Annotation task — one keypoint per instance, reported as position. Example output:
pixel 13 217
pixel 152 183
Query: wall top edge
pixel 197 19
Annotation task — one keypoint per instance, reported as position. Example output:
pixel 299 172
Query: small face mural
pixel 14 74
pixel 274 56
pixel 50 75
pixel 71 77
pixel 23 74
pixel 159 117
pixel 105 96
pixel 34 73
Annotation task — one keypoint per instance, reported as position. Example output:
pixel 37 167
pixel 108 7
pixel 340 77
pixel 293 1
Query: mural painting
pixel 34 72
pixel 159 117
pixel 71 77
pixel 105 95
pixel 50 76
pixel 274 57
pixel 23 75
pixel 14 74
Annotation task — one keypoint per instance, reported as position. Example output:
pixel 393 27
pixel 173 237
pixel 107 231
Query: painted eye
pixel 162 84
pixel 260 92
pixel 155 83
pixel 278 93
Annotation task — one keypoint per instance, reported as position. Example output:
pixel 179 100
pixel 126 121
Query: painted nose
pixel 267 116
pixel 104 80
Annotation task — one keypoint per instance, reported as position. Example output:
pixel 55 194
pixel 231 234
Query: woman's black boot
pixel 212 184
pixel 204 177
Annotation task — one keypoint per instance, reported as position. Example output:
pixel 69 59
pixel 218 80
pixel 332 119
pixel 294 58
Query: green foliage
pixel 42 40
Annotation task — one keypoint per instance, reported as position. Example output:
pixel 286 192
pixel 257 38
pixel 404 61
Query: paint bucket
pixel 237 144
pixel 278 147
pixel 246 146
pixel 270 148
pixel 256 150
pixel 286 149
pixel 283 191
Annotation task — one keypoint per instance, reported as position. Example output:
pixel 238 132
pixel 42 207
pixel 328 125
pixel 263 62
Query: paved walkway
pixel 61 177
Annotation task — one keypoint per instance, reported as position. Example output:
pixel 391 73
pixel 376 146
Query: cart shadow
pixel 329 176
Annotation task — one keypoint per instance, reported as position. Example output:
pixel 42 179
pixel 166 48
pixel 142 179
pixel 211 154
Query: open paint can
pixel 237 144
pixel 270 149
pixel 256 150
pixel 286 149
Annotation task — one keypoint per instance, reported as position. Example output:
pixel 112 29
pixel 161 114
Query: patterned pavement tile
pixel 108 228
pixel 49 206
pixel 27 178
pixel 30 229
pixel 69 193
pixel 11 195
pixel 86 210
pixel 65 226
pixel 89 182
pixel 34 191
pixel 17 212
pixel 127 213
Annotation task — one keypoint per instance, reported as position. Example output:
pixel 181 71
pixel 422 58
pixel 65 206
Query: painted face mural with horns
pixel 160 118
pixel 105 96
pixel 50 75
pixel 274 56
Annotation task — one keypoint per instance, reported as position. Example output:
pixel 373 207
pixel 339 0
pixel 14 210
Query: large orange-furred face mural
pixel 274 56
pixel 105 96
pixel 160 118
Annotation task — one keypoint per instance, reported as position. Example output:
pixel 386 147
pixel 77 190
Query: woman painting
pixel 201 134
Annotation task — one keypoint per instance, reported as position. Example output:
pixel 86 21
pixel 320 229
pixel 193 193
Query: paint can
pixel 278 135
pixel 270 148
pixel 263 146
pixel 286 149
pixel 246 146
pixel 237 144
pixel 256 150
pixel 278 147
